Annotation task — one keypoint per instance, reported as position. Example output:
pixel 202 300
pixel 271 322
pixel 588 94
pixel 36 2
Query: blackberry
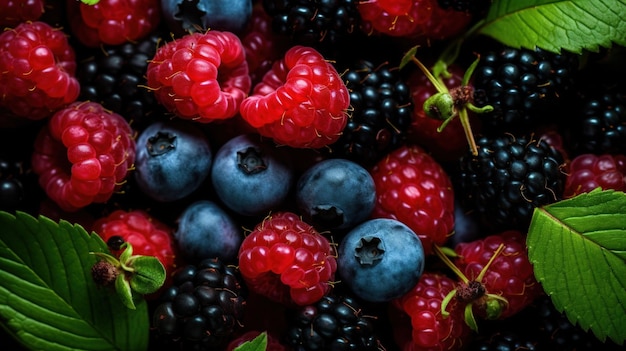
pixel 556 332
pixel 599 126
pixel 476 7
pixel 381 115
pixel 115 77
pixel 525 87
pixel 321 24
pixel 333 323
pixel 510 176
pixel 201 310
pixel 506 340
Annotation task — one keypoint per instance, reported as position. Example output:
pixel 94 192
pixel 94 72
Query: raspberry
pixel 16 12
pixel 37 67
pixel 510 274
pixel 589 171
pixel 414 189
pixel 421 19
pixel 147 235
pixel 201 77
pixel 301 102
pixel 287 260
pixel 83 154
pixel 113 22
pixel 430 329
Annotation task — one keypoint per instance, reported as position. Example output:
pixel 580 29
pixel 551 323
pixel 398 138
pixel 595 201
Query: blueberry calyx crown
pixel 251 161
pixel 190 15
pixel 161 143
pixel 369 250
pixel 327 216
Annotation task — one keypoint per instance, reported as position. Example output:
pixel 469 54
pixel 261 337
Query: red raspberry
pixel 414 189
pixel 147 235
pixel 287 260
pixel 83 155
pixel 301 102
pixel 430 329
pixel 450 143
pixel 202 77
pixel 420 19
pixel 588 171
pixel 15 12
pixel 510 275
pixel 37 67
pixel 113 22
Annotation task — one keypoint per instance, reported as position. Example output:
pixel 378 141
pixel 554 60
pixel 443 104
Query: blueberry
pixel 335 194
pixel 184 16
pixel 380 259
pixel 251 176
pixel 173 159
pixel 205 230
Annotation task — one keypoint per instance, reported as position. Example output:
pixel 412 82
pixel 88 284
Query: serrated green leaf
pixel 48 299
pixel 578 251
pixel 553 25
pixel 259 343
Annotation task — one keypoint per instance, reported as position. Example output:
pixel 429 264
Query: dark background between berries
pixel 584 101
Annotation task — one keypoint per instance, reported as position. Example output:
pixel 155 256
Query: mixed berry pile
pixel 294 178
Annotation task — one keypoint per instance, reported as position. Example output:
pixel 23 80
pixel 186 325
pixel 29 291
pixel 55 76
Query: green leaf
pixel 257 344
pixel 48 299
pixel 554 25
pixel 578 251
pixel 148 276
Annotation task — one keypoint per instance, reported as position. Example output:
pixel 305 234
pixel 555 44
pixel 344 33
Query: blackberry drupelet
pixel 510 176
pixel 115 77
pixel 381 114
pixel 334 323
pixel 18 186
pixel 201 310
pixel 476 7
pixel 600 123
pixel 321 24
pixel 525 87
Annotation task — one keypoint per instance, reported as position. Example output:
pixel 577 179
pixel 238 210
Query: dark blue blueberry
pixel 184 16
pixel 380 259
pixel 173 159
pixel 251 176
pixel 206 230
pixel 335 194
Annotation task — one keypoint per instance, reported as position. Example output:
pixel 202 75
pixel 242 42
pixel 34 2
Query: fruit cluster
pixel 299 168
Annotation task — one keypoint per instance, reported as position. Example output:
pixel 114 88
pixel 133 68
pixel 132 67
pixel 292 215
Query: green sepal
pixel 126 255
pixel 104 256
pixel 408 57
pixel 469 317
pixel 446 301
pixel 259 343
pixel 90 2
pixel 124 292
pixel 148 276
